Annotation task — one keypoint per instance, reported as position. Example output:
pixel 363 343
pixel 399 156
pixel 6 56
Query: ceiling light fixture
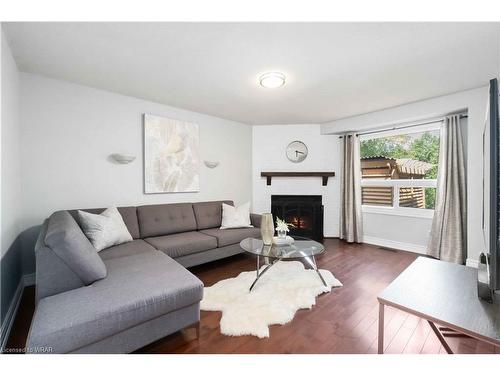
pixel 272 80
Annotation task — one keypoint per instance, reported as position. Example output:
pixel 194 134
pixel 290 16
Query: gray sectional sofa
pixel 143 291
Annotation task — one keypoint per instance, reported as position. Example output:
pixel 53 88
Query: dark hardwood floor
pixel 343 321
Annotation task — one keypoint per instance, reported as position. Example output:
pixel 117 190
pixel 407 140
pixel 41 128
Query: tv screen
pixel 494 187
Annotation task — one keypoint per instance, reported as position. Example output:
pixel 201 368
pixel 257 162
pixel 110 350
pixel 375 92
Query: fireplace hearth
pixel 305 212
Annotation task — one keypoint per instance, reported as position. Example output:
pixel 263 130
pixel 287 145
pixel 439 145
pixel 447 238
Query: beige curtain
pixel 351 224
pixel 448 239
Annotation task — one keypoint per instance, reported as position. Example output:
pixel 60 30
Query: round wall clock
pixel 296 151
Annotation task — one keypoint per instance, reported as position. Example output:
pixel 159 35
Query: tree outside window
pixel 410 148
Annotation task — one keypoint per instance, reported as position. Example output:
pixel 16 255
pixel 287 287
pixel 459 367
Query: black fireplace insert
pixel 304 212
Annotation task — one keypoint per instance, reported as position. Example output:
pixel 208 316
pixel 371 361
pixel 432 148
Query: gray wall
pixel 11 273
pixel 11 256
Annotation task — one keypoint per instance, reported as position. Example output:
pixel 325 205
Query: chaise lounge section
pixel 143 291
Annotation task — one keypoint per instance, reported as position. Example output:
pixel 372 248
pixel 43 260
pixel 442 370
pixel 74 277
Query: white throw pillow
pixel 106 229
pixel 236 217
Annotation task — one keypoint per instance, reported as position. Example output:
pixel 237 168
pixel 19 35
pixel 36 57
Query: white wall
pixel 10 202
pixel 68 132
pixel 398 232
pixel 269 145
pixel 474 101
pixel 10 162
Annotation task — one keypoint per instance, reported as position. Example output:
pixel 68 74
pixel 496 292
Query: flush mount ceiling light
pixel 272 80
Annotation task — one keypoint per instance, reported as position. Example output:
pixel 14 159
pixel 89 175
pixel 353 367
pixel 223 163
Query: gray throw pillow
pixel 68 242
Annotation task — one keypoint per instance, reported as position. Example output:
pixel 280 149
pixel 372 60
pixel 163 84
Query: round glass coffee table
pixel 301 248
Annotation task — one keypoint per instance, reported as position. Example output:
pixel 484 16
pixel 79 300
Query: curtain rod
pixel 426 122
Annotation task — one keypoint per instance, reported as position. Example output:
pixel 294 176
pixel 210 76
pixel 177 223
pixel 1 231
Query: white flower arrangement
pixel 281 225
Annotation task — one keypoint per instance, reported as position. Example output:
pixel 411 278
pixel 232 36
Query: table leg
pixel 258 265
pixel 448 332
pixel 381 328
pixel 263 272
pixel 440 337
pixel 312 263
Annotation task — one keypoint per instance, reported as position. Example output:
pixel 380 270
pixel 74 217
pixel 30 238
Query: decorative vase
pixel 267 228
pixel 281 233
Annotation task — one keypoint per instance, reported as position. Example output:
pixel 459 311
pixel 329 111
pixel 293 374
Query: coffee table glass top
pixel 300 248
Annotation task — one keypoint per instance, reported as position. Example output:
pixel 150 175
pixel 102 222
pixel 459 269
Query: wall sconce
pixel 122 158
pixel 211 164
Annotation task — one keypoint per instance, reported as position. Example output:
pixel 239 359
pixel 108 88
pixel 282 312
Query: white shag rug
pixel 285 288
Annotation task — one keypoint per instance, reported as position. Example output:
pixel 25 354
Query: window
pixel 399 170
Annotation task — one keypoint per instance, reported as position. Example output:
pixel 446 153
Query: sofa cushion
pixel 129 216
pixel 53 276
pixel 68 242
pixel 138 288
pixel 176 245
pixel 162 219
pixel 126 249
pixel 209 214
pixel 231 236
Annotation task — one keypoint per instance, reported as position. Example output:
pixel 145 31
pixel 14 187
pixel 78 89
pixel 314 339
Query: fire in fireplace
pixel 299 222
pixel 304 212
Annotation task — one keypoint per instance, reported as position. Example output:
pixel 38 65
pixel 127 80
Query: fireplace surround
pixel 305 212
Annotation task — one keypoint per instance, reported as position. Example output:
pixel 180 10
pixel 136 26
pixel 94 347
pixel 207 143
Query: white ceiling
pixel 333 70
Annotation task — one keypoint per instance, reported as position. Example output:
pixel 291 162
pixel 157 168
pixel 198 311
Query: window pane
pixel 404 156
pixel 378 196
pixel 417 197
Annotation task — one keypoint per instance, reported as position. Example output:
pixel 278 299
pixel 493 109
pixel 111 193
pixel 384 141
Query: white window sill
pixel 400 211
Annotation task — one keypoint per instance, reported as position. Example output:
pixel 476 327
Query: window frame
pixel 395 209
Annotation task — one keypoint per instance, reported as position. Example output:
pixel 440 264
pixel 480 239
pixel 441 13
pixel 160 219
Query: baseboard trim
pixel 419 249
pixel 11 314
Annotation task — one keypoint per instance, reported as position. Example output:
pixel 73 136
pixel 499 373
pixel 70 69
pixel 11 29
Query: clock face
pixel 296 151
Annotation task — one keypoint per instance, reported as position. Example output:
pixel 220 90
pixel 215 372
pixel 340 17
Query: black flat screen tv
pixel 494 187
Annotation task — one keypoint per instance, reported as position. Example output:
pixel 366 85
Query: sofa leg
pixel 197 327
